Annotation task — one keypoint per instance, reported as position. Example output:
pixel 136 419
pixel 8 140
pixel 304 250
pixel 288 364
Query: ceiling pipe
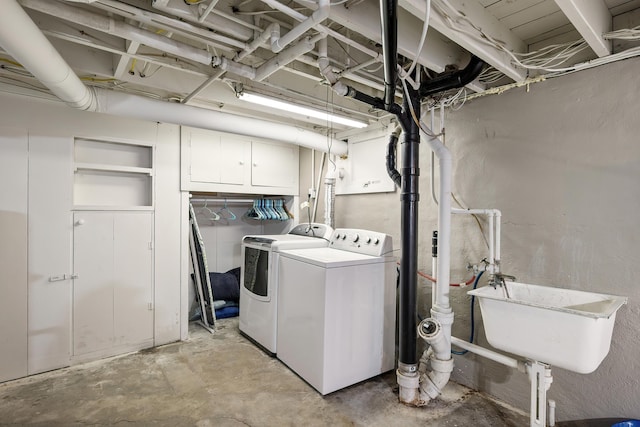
pixel 389 23
pixel 23 40
pixel 218 23
pixel 454 79
pixel 317 17
pixel 120 29
pixel 286 56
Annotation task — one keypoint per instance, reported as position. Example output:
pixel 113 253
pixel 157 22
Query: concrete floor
pixel 223 380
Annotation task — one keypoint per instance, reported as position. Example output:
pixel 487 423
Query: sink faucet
pixel 498 279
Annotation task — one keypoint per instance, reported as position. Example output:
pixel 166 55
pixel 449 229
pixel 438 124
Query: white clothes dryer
pixel 259 278
pixel 337 309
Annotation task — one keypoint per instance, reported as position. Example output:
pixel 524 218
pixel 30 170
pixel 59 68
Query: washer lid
pixel 331 258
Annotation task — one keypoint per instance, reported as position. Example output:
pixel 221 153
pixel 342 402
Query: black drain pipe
pixel 389 25
pixel 409 197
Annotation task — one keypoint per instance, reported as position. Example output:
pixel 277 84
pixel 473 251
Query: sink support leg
pixel 541 379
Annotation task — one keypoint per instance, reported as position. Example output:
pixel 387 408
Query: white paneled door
pixel 113 293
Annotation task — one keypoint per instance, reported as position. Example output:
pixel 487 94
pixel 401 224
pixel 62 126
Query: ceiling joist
pixel 592 19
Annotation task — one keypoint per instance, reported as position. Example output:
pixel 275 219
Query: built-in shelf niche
pixel 112 175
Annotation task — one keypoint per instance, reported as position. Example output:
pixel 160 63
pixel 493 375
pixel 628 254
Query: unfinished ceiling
pixel 206 53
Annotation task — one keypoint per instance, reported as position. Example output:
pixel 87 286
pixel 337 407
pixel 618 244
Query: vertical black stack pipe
pixel 409 198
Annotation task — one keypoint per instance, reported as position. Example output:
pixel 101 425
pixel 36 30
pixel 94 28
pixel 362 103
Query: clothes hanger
pixel 231 216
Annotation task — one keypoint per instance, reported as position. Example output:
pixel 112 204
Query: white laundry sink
pixel 562 327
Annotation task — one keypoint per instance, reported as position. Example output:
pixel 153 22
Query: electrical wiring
pixel 8 61
pixel 546 64
pixel 423 37
pixel 623 34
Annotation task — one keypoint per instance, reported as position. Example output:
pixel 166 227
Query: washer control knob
pixel 368 240
pixel 337 236
pixel 356 238
pixel 344 236
pixel 376 241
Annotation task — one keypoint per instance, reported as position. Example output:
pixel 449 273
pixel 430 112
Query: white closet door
pixel 93 289
pixel 50 185
pixel 13 253
pixel 133 278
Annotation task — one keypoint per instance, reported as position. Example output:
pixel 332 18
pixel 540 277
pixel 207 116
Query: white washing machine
pixel 337 309
pixel 259 278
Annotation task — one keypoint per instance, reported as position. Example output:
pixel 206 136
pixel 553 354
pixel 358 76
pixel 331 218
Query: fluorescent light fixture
pixel 296 109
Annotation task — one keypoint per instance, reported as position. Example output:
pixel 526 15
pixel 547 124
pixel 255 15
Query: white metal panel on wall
pixel 13 253
pixel 365 169
pixel 50 231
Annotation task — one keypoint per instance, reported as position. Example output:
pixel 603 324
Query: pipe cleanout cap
pixel 429 328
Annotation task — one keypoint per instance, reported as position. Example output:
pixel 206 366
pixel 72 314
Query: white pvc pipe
pixel 489 354
pixel 120 29
pixel 166 23
pixel 286 56
pixel 271 32
pixel 317 17
pixel 213 21
pixel 24 41
pixel 444 223
pixel 207 11
pixel 495 229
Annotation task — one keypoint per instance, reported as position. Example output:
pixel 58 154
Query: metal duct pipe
pixel 389 23
pixel 24 41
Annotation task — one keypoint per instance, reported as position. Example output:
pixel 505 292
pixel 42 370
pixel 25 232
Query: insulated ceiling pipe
pixel 24 41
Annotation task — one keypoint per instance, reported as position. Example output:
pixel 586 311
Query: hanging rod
pixel 220 200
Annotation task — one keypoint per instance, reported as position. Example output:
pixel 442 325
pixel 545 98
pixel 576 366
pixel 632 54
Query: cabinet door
pixel 50 183
pixel 133 278
pixel 93 288
pixel 274 165
pixel 218 158
pixel 13 253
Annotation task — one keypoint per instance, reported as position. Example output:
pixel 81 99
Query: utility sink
pixel 562 327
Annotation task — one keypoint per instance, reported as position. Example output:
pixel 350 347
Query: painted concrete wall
pixel 562 163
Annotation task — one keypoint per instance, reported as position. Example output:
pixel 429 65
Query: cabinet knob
pixel 241 163
pixel 255 164
pixel 80 222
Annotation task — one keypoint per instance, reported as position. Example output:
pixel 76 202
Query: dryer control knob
pixel 356 238
pixel 376 241
pixel 368 239
pixel 344 236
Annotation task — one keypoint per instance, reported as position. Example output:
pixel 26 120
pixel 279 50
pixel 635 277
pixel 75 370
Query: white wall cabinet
pixel 221 162
pixel 113 291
